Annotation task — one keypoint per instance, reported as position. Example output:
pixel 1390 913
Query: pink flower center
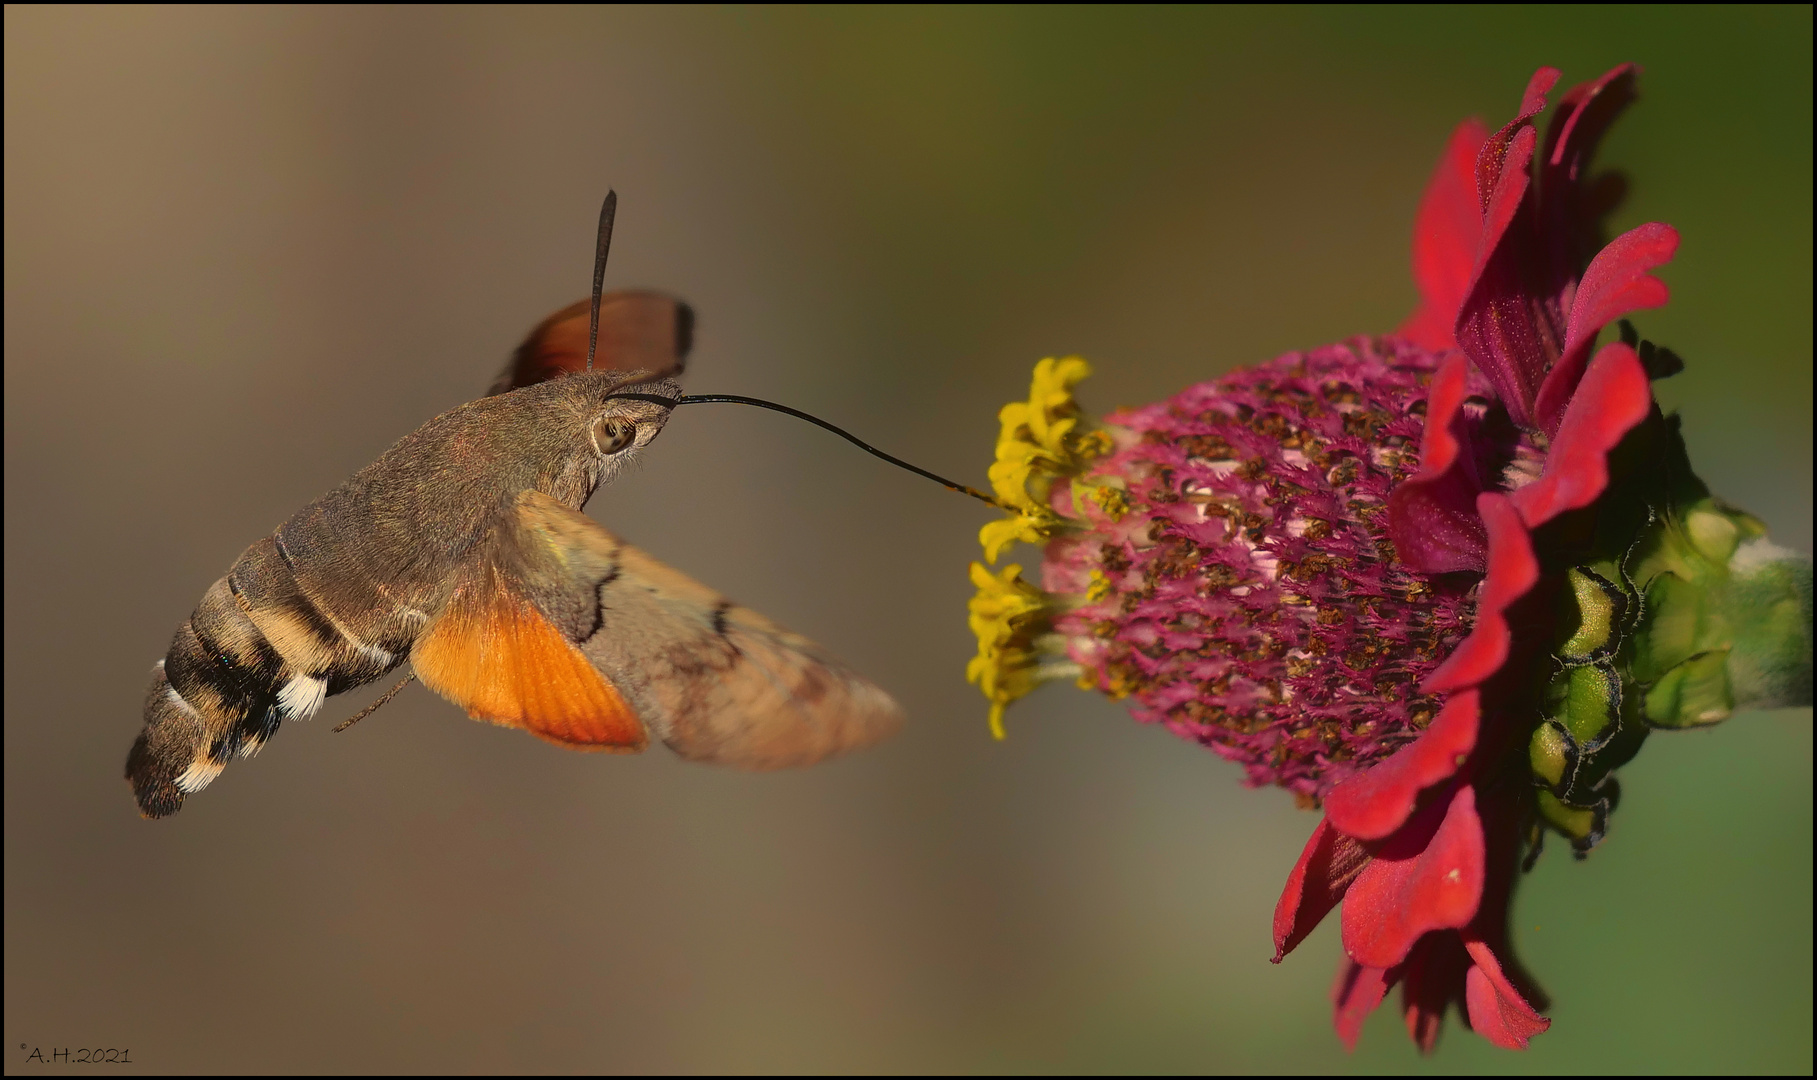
pixel 1250 598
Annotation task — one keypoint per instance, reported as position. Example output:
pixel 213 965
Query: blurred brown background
pixel 247 249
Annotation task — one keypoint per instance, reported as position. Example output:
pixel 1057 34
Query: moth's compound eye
pixel 611 434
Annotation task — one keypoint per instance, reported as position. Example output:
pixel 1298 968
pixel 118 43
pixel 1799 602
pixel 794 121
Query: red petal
pixel 1584 113
pixel 1533 98
pixel 1327 866
pixel 1570 205
pixel 1446 232
pixel 1489 163
pixel 1503 323
pixel 1513 570
pixel 1615 283
pixel 1497 1011
pixel 1432 516
pixel 1358 991
pixel 1373 804
pixel 1430 327
pixel 1441 442
pixel 1419 881
pixel 1613 397
pixel 1431 979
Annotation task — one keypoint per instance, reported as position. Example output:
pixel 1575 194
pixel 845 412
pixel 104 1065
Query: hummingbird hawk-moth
pixel 463 552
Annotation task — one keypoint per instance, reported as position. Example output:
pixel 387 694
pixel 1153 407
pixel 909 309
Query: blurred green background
pixel 247 249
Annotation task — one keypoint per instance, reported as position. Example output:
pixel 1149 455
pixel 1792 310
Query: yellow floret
pixel 1000 534
pixel 1039 441
pixel 1113 501
pixel 1007 614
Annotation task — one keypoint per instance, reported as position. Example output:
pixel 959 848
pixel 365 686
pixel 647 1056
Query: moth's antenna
pixel 739 399
pixel 606 214
pixel 374 707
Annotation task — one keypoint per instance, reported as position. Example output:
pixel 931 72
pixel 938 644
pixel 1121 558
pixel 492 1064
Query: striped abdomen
pixel 256 650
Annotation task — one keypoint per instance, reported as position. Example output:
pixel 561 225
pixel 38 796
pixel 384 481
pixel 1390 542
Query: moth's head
pixel 630 413
pixel 624 412
pixel 568 435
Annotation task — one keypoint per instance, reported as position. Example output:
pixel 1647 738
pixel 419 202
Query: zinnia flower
pixel 1440 583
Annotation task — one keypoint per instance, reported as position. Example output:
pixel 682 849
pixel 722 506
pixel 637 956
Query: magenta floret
pixel 1254 601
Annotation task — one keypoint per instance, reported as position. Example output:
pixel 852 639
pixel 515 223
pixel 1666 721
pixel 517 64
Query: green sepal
pixel 1584 826
pixel 1551 754
pixel 1586 703
pixel 1574 821
pixel 1674 627
pixel 1693 693
pixel 1658 361
pixel 1593 726
pixel 1600 604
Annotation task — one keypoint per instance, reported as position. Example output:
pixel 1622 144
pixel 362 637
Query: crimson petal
pixel 1358 991
pixel 1422 879
pixel 1373 804
pixel 1432 516
pixel 1532 103
pixel 1327 866
pixel 1446 232
pixel 1503 323
pixel 1613 397
pixel 1513 569
pixel 1430 979
pixel 1570 206
pixel 1497 1011
pixel 1615 283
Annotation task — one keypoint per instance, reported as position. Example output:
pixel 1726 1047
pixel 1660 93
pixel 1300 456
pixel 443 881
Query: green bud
pixel 1676 613
pixel 1727 620
pixel 1769 602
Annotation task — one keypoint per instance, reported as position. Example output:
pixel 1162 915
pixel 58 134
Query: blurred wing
pixel 718 682
pixel 715 681
pixel 637 330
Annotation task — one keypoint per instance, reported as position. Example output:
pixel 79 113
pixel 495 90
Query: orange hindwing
pixel 499 658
